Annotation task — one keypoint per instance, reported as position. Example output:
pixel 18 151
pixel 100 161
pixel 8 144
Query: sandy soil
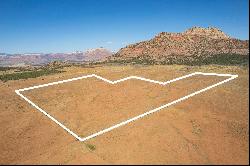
pixel 210 128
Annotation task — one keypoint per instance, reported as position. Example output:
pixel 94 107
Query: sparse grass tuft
pixel 90 147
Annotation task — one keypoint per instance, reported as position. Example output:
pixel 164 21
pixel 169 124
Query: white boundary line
pixel 115 82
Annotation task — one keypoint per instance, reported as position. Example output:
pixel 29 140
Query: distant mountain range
pixel 194 45
pixel 41 59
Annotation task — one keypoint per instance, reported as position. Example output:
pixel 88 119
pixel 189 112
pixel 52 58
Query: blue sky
pixel 69 25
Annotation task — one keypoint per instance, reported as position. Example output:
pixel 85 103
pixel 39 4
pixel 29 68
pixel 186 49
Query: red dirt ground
pixel 209 128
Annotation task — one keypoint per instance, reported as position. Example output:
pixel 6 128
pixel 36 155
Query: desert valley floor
pixel 209 128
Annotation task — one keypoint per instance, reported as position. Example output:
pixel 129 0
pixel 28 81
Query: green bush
pixel 6 68
pixel 28 74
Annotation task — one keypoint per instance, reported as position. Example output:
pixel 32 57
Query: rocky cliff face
pixel 195 41
pixel 208 32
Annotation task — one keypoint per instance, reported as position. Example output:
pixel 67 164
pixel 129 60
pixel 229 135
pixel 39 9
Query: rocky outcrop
pixel 97 54
pixel 210 32
pixel 195 41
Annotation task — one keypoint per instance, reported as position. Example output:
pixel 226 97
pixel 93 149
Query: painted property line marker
pixel 115 82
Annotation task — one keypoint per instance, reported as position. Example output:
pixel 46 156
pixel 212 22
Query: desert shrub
pixel 6 68
pixel 90 147
pixel 28 74
pixel 227 59
pixel 219 59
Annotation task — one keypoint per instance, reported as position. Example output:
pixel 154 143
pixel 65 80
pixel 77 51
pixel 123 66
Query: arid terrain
pixel 205 45
pixel 209 128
